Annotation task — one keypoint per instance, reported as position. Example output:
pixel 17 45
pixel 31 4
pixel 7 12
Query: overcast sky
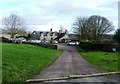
pixel 46 14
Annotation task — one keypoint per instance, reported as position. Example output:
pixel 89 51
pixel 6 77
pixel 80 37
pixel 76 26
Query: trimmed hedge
pixel 42 45
pixel 107 47
pixel 3 39
pixel 48 46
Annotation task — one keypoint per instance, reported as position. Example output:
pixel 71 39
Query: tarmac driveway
pixel 69 63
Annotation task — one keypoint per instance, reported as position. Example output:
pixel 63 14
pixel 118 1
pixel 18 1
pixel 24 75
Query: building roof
pixel 59 36
pixel 74 36
pixel 43 32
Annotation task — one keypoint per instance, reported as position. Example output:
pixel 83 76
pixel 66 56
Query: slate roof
pixel 45 33
pixel 40 32
pixel 59 36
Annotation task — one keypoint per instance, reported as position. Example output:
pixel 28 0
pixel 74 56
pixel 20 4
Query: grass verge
pixel 21 61
pixel 108 61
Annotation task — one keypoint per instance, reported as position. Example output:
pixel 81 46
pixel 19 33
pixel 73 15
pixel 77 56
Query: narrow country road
pixel 70 63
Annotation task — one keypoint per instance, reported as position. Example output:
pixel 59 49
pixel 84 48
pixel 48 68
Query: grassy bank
pixel 103 60
pixel 22 61
pixel 0 63
pixel 108 61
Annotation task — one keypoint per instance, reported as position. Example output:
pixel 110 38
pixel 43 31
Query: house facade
pixel 62 37
pixel 50 35
pixel 44 35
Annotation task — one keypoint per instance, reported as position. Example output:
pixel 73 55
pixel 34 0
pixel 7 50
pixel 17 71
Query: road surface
pixel 71 63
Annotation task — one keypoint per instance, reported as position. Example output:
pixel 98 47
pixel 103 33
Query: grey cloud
pixel 111 5
pixel 62 9
pixel 56 11
pixel 36 19
pixel 43 12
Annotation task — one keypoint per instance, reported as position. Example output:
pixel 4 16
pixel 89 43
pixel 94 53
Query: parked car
pixel 35 41
pixel 45 41
pixel 20 39
pixel 77 43
pixel 55 41
pixel 73 43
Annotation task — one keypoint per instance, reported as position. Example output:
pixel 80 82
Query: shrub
pixel 3 39
pixel 89 46
pixel 42 45
pixel 49 46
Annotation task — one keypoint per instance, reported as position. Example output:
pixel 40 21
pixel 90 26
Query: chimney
pixel 59 31
pixel 51 30
pixel 65 31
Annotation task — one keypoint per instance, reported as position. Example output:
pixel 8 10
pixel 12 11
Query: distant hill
pixel 3 31
pixel 108 37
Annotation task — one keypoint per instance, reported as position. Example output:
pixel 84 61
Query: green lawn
pixel 103 60
pixel 0 63
pixel 22 61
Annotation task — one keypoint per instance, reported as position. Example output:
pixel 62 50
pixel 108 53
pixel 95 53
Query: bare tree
pixel 14 24
pixel 92 28
pixel 62 29
pixel 80 27
pixel 99 26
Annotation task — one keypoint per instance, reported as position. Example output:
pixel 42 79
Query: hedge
pixel 3 39
pixel 52 46
pixel 42 45
pixel 89 46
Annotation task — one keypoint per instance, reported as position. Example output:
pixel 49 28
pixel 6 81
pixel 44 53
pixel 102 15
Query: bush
pixel 6 40
pixel 49 46
pixel 36 44
pixel 42 45
pixel 89 46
